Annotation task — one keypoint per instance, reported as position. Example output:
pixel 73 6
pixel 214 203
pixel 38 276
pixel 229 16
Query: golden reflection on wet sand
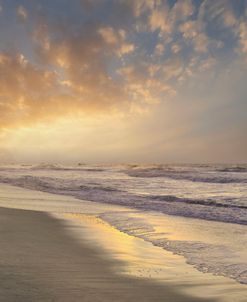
pixel 143 260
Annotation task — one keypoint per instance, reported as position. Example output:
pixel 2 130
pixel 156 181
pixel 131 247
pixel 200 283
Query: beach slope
pixel 39 261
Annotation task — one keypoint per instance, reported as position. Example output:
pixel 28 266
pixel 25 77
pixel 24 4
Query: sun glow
pixel 79 138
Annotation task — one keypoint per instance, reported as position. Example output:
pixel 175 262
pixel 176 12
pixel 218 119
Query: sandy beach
pixel 41 262
pixel 51 251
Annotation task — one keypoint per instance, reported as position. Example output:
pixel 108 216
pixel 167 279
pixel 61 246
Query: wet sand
pixel 40 261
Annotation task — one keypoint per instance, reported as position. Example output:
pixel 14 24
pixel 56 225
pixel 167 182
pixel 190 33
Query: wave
pixel 204 202
pixel 47 167
pixel 240 169
pixel 55 185
pixel 57 167
pixel 172 205
pixel 207 175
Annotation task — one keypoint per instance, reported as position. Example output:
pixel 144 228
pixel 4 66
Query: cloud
pixel 189 29
pixel 192 31
pixel 71 76
pixel 26 92
pixel 159 49
pixel 143 84
pixel 220 12
pixel 176 48
pixel 141 6
pixel 82 59
pixel 183 9
pixel 117 40
pixel 230 19
pixel 22 13
pixel 201 43
pixel 109 35
pixel 243 37
pixel 172 68
pixel 159 20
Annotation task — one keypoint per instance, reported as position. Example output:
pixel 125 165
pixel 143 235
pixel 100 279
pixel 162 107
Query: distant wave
pixel 210 176
pixel 45 166
pixel 241 169
pixel 98 188
pixel 204 202
pixel 57 167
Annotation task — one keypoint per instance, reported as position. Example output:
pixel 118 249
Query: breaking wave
pixel 208 174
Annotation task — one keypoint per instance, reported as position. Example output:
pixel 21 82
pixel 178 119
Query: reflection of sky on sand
pixel 211 247
pixel 141 259
pixel 178 228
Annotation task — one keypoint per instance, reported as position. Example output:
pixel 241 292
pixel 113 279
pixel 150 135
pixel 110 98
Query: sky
pixel 116 81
